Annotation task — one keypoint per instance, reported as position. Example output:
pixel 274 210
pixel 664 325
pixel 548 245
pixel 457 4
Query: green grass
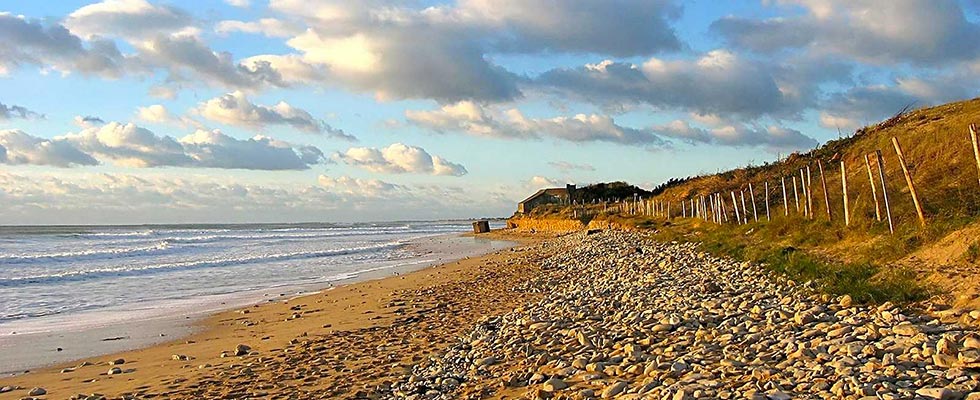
pixel 864 281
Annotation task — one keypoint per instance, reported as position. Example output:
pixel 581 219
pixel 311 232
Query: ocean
pixel 53 273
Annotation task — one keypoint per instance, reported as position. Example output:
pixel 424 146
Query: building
pixel 547 196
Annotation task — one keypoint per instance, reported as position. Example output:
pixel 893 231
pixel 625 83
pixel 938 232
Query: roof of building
pixel 548 191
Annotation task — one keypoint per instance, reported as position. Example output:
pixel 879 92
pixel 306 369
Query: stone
pixel 554 385
pixel 906 329
pixel 614 389
pixel 486 362
pixel 241 350
pixel 935 393
pixel 114 371
pixel 38 391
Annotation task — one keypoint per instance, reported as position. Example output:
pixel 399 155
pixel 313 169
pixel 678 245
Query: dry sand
pixel 332 344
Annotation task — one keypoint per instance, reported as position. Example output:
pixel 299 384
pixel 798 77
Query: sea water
pixel 59 271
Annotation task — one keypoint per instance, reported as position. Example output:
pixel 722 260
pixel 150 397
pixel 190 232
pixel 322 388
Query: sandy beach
pixel 599 314
pixel 365 332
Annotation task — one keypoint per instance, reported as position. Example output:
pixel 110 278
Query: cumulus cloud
pixel 15 111
pixel 18 147
pixel 134 146
pixel 357 186
pixel 80 196
pixel 239 3
pixel 618 27
pixel 541 182
pixel 863 105
pixel 270 27
pixel 877 31
pixel 474 119
pixel 236 109
pixel 441 52
pixel 154 113
pixel 738 135
pixel 130 19
pixel 399 158
pixel 187 58
pixel 31 42
pixel 718 82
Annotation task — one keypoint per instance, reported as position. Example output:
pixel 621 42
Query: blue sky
pixel 131 111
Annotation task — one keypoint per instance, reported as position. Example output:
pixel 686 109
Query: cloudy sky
pixel 131 111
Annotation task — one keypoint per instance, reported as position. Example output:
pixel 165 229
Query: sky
pixel 136 111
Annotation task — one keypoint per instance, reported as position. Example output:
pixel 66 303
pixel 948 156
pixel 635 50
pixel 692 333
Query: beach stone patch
pixel 622 317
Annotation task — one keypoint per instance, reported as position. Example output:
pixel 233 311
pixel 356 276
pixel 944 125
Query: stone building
pixel 547 196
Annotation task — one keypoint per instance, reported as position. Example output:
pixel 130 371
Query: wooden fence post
pixel 884 191
pixel 715 206
pixel 755 214
pixel 976 148
pixel 874 190
pixel 843 183
pixel 745 211
pixel 724 212
pixel 796 195
pixel 782 181
pixel 809 193
pixel 735 207
pixel 908 180
pixel 767 201
pixel 803 188
pixel 826 197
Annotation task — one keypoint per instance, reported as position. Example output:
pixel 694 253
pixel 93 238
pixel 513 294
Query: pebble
pixel 624 317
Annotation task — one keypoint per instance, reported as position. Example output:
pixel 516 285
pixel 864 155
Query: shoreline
pixel 610 314
pixel 65 339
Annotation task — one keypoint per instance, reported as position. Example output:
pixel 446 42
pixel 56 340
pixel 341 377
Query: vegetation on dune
pixel 862 259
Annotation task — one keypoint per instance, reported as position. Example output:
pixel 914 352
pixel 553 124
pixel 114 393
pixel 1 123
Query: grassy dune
pixel 862 259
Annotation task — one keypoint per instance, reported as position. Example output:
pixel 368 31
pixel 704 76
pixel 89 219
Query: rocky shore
pixel 626 318
pixel 586 315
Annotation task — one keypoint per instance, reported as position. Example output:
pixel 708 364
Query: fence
pixel 795 198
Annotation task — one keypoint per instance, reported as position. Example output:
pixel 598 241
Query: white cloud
pixel 615 27
pixel 270 27
pixel 442 52
pixel 239 3
pixel 85 197
pixel 399 158
pixel 358 187
pixel 738 135
pixel 541 182
pixel 17 147
pixel 474 119
pixel 129 19
pixel 236 109
pixel 931 32
pixel 717 82
pixel 30 42
pixel 132 146
pixel 155 113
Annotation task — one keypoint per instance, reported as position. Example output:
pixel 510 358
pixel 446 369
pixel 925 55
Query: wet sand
pixel 336 343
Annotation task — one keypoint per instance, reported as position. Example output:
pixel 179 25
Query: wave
pixel 123 271
pixel 301 236
pixel 72 256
